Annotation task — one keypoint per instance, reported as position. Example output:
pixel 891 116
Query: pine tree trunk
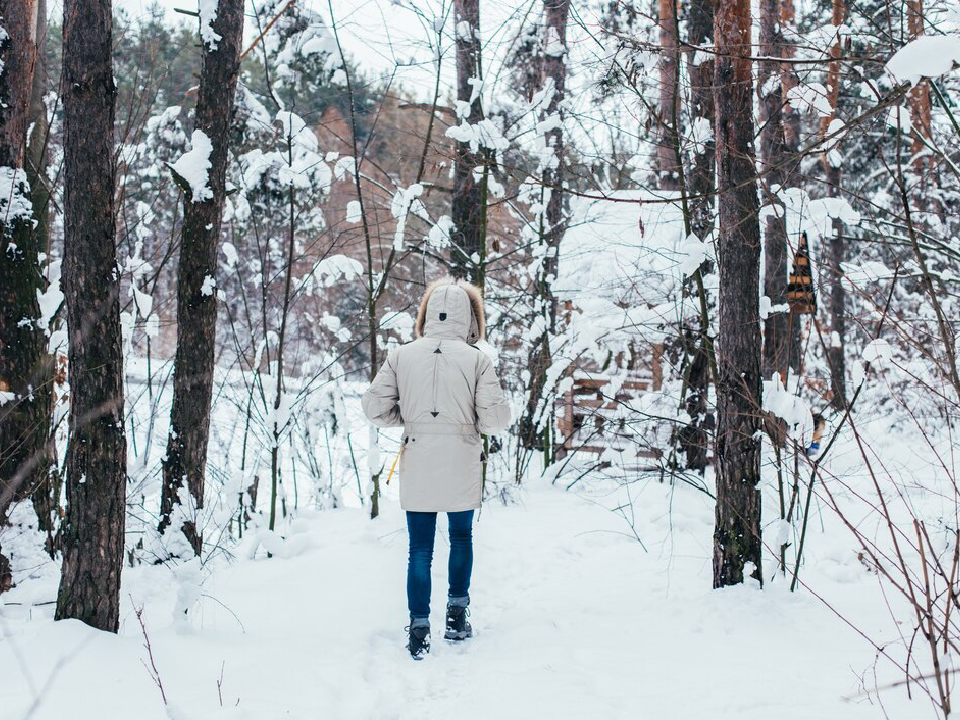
pixel 46 493
pixel 776 162
pixel 837 251
pixel 468 196
pixel 737 533
pixel 186 457
pixel 20 275
pixel 667 128
pixel 554 222
pixel 555 69
pixel 700 186
pixel 93 531
pixel 701 177
pixel 21 344
pixel 919 96
pixel 838 319
pixel 791 139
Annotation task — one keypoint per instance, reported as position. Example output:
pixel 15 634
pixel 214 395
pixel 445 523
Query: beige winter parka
pixel 444 391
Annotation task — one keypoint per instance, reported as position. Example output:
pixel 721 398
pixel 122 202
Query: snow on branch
pixel 485 133
pixel 405 201
pixel 208 14
pixel 810 97
pixel 928 56
pixel 329 271
pixel 14 195
pixel 193 167
pixel 439 236
pixel 787 406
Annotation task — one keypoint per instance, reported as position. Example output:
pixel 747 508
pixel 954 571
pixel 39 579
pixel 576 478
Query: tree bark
pixel 93 530
pixel 791 138
pixel 553 223
pixel 555 70
pixel 701 182
pixel 467 209
pixel 701 186
pixel 788 75
pixel 837 252
pixel 46 492
pixel 186 457
pixel 777 165
pixel 737 532
pixel 668 128
pixel 838 320
pixel 20 275
pixel 21 416
pixel 918 97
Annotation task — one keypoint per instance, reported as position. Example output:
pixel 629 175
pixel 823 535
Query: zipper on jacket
pixel 438 352
pixel 436 364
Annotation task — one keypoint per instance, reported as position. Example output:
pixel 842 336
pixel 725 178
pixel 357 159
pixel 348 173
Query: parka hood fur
pixel 477 322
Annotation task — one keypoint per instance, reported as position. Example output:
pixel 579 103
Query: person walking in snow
pixel 444 391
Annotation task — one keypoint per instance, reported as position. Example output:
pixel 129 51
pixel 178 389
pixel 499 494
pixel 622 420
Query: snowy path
pixel 573 620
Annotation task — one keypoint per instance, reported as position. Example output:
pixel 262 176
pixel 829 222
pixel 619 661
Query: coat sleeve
pixel 493 409
pixel 381 401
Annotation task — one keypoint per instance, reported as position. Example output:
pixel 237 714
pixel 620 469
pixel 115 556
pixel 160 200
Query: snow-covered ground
pixel 574 619
pixel 590 602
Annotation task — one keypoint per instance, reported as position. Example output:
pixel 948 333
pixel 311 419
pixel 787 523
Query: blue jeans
pixel 422 527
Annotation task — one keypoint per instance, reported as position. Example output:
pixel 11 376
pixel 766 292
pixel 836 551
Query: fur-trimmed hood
pixel 452 308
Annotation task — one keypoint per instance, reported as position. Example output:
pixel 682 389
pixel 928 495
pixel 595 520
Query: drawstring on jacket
pixel 394 466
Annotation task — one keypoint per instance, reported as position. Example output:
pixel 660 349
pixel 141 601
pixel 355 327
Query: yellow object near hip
pixel 394 466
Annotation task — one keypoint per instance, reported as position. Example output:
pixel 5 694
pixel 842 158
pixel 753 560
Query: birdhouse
pixel 800 294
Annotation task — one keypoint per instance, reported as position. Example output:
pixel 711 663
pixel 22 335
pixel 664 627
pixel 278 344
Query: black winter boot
pixel 419 640
pixel 458 628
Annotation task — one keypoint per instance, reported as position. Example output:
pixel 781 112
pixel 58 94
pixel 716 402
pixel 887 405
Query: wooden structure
pixel 591 417
pixel 800 293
